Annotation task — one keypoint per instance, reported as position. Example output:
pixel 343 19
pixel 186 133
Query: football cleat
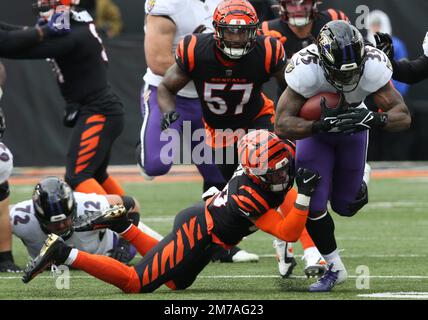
pixel 110 218
pixel 285 257
pixel 329 280
pixel 233 255
pixel 54 251
pixel 315 264
pixel 244 256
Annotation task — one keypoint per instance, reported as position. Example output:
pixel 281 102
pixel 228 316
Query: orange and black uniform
pixel 279 29
pixel 222 220
pixel 93 109
pixel 230 91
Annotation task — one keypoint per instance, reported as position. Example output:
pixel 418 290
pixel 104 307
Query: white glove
pixel 210 193
pixel 425 45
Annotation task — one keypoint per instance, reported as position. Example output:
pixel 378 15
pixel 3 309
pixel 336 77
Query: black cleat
pixel 114 218
pixel 54 251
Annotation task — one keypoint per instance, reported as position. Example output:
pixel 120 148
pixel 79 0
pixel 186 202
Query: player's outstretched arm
pixel 175 79
pixel 288 124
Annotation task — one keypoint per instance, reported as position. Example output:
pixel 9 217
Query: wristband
pixel 303 200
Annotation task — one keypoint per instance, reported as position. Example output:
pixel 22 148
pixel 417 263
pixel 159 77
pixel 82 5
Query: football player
pixel 54 208
pixel 410 72
pixel 93 110
pixel 336 144
pixel 228 68
pixel 7 263
pixel 167 22
pixel 247 203
pixel 298 26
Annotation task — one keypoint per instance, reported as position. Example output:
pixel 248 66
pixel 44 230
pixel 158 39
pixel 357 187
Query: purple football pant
pixel 151 144
pixel 340 160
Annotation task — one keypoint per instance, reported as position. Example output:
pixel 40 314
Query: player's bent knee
pixel 317 214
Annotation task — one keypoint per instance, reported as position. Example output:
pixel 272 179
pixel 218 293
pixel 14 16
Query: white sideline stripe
pixel 360 256
pixel 398 295
pixel 243 276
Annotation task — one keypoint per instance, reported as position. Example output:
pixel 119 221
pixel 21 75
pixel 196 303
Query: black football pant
pixel 181 255
pixel 89 151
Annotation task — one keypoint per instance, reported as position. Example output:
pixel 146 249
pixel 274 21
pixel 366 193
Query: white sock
pixel 311 251
pixel 71 257
pixel 334 258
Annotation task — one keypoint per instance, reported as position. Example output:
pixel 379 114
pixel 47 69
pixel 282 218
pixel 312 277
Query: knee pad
pixel 351 209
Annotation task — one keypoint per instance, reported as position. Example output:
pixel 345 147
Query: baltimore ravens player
pixel 336 144
pixel 246 204
pixel 53 209
pixel 299 24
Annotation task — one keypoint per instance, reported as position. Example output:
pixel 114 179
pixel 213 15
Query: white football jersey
pixel 306 77
pixel 26 226
pixel 187 16
pixel 6 163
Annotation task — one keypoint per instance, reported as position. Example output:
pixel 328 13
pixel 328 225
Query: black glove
pixel 384 43
pixel 307 181
pixel 328 120
pixel 9 266
pixel 168 119
pixel 360 202
pixel 122 251
pixel 361 119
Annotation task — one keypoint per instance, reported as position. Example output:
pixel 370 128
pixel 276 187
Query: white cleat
pixel 144 174
pixel 315 264
pixel 244 256
pixel 285 257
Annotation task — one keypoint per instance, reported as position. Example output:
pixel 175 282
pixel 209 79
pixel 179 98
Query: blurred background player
pixel 378 21
pixel 53 209
pixel 298 26
pixel 7 263
pixel 167 22
pixel 247 204
pixel 108 17
pixel 93 110
pixel 410 72
pixel 338 62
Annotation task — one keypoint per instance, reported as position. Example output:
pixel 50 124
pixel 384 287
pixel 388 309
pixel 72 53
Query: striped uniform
pixel 231 91
pixel 222 220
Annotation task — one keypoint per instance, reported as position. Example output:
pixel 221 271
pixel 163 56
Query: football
pixel 311 110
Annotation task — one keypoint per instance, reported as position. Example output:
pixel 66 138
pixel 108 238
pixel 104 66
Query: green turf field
pixel 389 237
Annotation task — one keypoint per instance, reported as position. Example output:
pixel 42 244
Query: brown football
pixel 311 110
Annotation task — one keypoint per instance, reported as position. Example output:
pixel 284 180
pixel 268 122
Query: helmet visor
pixel 237 40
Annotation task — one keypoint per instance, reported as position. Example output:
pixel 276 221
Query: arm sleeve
pixel 48 48
pixel 288 229
pixel 411 72
pixel 17 40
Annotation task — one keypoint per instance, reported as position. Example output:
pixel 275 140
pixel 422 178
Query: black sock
pixel 322 233
pixel 6 256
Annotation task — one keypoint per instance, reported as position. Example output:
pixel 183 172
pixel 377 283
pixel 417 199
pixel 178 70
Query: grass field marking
pixel 242 276
pixel 397 295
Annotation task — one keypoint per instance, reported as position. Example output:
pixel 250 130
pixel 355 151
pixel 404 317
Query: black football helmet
pixel 342 54
pixel 55 206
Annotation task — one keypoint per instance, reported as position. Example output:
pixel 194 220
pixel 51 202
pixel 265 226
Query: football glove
pixel 168 119
pixel 384 43
pixel 328 120
pixel 122 251
pixel 9 266
pixel 361 119
pixel 425 45
pixel 307 181
pixel 360 202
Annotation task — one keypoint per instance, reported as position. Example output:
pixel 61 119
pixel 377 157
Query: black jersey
pixel 291 42
pixel 230 91
pixel 240 200
pixel 80 64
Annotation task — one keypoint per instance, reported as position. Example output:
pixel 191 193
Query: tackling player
pixel 410 72
pixel 54 208
pixel 336 144
pixel 247 203
pixel 92 108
